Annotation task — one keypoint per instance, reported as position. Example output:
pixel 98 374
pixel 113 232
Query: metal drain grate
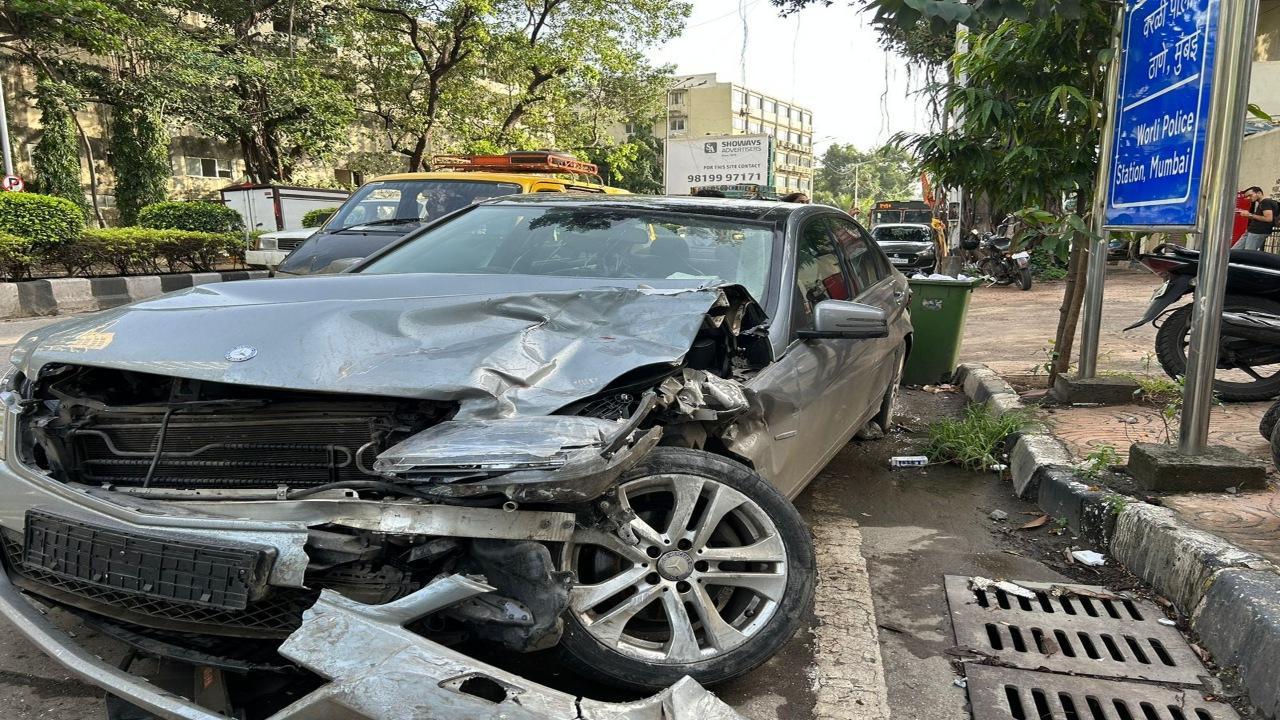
pixel 1071 629
pixel 997 693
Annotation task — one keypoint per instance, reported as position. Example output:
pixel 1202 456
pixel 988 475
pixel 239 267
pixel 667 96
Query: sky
pixel 826 59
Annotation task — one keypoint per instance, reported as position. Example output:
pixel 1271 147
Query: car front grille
pixel 289 244
pixel 275 615
pixel 230 449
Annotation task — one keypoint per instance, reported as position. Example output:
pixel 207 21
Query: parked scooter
pixel 1248 365
pixel 996 262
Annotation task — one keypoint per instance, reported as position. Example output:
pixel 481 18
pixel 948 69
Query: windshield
pixel 397 204
pixel 885 233
pixel 590 242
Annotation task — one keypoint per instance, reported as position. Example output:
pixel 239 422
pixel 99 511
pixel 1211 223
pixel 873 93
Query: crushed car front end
pixel 202 499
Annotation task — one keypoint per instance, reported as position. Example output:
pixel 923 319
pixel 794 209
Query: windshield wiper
pixel 388 221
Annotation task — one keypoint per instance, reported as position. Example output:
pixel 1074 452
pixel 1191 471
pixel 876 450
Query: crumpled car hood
pixel 499 345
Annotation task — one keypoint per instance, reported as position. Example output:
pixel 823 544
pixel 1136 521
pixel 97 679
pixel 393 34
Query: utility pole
pixel 4 133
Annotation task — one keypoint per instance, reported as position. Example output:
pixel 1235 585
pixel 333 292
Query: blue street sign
pixel 1161 113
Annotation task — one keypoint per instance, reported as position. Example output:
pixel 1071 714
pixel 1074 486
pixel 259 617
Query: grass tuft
pixel 974 441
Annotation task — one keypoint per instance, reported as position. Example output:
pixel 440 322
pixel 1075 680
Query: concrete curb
pixel 1177 560
pixel 1232 596
pixel 1239 624
pixel 62 296
pixel 985 386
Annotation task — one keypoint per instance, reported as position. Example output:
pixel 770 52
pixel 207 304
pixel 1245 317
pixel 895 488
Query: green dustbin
pixel 938 308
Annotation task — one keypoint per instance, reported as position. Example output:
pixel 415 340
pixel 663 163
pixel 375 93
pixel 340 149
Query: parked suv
pixel 392 206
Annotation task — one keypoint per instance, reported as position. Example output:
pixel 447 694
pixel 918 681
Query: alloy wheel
pixel 707 575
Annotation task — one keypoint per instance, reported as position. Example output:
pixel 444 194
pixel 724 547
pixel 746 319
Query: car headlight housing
pixel 10 407
pixel 486 447
pixel 928 252
pixel 268 243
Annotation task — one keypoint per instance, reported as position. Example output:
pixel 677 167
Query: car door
pixel 880 286
pixel 831 395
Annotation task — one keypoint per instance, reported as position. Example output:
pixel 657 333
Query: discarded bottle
pixel 903 461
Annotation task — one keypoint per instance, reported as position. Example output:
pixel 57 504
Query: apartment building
pixel 703 105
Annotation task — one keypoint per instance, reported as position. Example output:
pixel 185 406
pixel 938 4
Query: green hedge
pixel 16 256
pixel 318 217
pixel 147 250
pixel 194 216
pixel 45 222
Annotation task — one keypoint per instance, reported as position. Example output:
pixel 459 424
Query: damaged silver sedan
pixel 542 422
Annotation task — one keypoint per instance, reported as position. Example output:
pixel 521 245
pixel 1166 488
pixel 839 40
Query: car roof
pixel 757 210
pixel 495 177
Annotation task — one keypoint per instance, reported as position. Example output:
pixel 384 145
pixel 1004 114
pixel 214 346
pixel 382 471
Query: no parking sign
pixel 11 183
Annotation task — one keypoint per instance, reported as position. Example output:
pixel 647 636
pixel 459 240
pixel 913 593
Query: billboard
pixel 718 160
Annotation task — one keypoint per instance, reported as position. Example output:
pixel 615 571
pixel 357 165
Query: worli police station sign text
pixel 1161 113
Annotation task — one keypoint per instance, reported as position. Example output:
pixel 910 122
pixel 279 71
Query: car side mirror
pixel 844 320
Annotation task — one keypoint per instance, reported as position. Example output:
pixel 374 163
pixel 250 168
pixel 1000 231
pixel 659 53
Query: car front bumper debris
pixel 377 669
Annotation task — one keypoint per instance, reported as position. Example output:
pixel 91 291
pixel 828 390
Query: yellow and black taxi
pixel 392 206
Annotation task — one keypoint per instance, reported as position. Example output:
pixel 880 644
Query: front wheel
pixel 994 269
pixel 1247 371
pixel 1024 278
pixel 719 582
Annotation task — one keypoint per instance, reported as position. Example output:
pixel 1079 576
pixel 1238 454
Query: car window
pixel 819 275
pixel 590 242
pixel 405 203
pixel 863 257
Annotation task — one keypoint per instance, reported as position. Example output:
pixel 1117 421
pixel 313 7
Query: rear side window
pixel 866 264
pixel 819 275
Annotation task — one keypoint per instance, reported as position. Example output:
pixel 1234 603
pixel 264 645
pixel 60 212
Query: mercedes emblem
pixel 241 353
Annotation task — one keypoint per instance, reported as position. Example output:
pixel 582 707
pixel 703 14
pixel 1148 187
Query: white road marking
pixel 848 673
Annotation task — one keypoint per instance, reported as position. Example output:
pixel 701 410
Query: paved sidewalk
pixel 1009 331
pixel 1249 519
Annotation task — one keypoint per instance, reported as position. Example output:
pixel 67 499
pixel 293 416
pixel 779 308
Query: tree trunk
pixel 93 172
pixel 417 155
pixel 1069 312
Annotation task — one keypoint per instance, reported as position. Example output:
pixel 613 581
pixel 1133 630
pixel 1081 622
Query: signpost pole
pixel 1096 272
pixel 4 135
pixel 1237 26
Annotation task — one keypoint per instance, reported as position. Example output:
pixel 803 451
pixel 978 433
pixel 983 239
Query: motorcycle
pixel 1248 366
pixel 996 262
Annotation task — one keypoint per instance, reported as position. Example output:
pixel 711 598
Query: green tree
pixel 417 66
pixel 140 160
pixel 634 165
pixel 126 54
pixel 1021 131
pixel 1026 131
pixel 570 69
pixel 56 159
pixel 266 77
pixel 844 172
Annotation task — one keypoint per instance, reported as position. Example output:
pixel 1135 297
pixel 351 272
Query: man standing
pixel 1262 217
